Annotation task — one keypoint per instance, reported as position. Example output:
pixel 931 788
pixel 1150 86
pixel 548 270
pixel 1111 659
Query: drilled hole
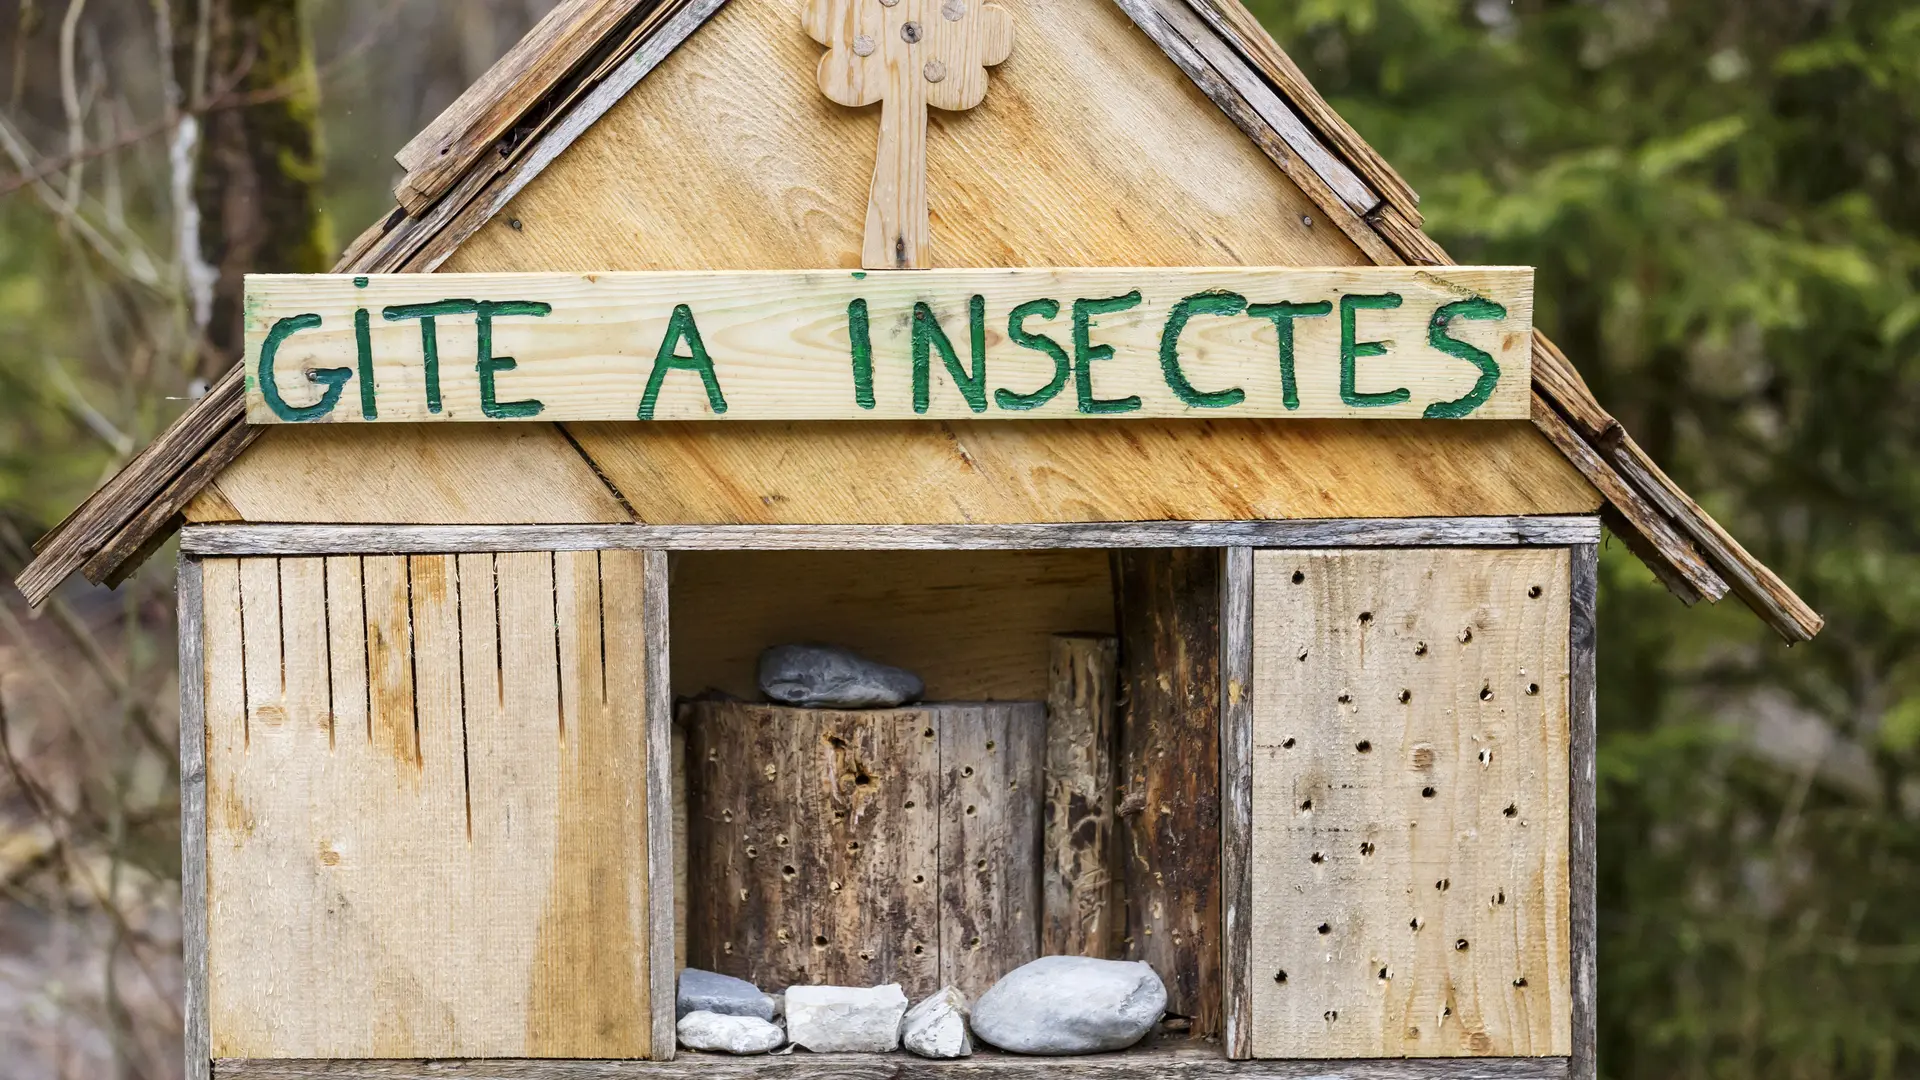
pixel 1366 617
pixel 1420 649
pixel 1288 745
pixel 919 950
pixel 1443 884
pixel 1346 698
pixel 1533 688
pixel 1466 635
pixel 1364 746
pixel 837 742
pixel 1415 923
pixel 980 865
pixel 971 808
pixel 1366 847
pixel 853 845
pixel 927 734
pixel 1405 696
pixel 1486 693
pixel 1317 857
pixel 820 939
pixel 1298 577
pixel 1384 974
pixel 1500 897
pixel 919 879
pixel 1511 810
pixel 862 779
pixel 1325 929
pixel 1533 592
pixel 910 804
pixel 966 770
pixel 1486 757
pixel 788 870
pixel 1460 945
pixel 1280 976
pixel 1427 793
pixel 1306 804
pixel 989 744
pixel 1330 1015
pixel 1521 981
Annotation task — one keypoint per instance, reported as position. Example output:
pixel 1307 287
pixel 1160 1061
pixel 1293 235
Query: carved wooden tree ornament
pixel 907 55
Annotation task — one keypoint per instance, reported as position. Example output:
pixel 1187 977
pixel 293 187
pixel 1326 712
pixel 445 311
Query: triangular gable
pixel 581 61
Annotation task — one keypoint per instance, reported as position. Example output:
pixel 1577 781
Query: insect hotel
pixel 907 534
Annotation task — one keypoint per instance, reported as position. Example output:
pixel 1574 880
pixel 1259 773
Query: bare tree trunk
pixel 257 181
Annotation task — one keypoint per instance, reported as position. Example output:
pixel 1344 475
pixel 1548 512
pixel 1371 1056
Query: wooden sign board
pixel 1382 342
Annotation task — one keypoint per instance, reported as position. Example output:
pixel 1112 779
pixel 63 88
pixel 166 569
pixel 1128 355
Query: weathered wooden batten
pixel 1075 356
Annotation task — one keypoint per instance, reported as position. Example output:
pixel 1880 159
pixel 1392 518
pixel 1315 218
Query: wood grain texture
pixel 861 847
pixel 426 830
pixel 974 625
pixel 413 473
pixel 1236 800
pixel 1030 177
pixel 813 845
pixel 1584 857
pixel 1411 803
pixel 1383 343
pixel 1167 604
pixel 1362 532
pixel 484 112
pixel 1197 1063
pixel 196 1040
pixel 992 758
pixel 1199 470
pixel 1080 912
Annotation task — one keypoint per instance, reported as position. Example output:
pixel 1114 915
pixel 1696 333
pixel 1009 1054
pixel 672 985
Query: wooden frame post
pixel 1583 858
pixel 1236 800
pixel 193 822
pixel 659 736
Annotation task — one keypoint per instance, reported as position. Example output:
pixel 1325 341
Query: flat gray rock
pixel 728 1034
pixel 706 991
pixel 830 677
pixel 828 1019
pixel 1070 1005
pixel 937 1027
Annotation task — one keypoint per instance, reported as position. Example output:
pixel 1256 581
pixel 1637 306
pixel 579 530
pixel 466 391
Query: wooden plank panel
pixel 1144 470
pixel 410 855
pixel 1411 803
pixel 992 758
pixel 1377 342
pixel 1201 1062
pixel 399 473
pixel 974 625
pixel 1030 177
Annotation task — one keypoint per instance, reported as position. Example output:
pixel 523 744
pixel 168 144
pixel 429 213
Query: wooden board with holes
pixel 1104 343
pixel 426 808
pixel 1410 803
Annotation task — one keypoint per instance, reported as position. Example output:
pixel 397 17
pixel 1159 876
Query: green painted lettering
pixel 682 327
pixel 1085 353
pixel 487 365
pixel 1437 336
pixel 1026 339
pixel 1282 315
pixel 928 337
pixel 861 342
pixel 1217 302
pixel 331 378
pixel 1351 350
pixel 430 336
pixel 363 353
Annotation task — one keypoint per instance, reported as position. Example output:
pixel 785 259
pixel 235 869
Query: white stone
pixel 1070 1005
pixel 937 1027
pixel 732 1034
pixel 826 1019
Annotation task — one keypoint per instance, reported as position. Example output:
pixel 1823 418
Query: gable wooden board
pixel 426 829
pixel 1410 803
pixel 900 472
pixel 1366 342
pixel 1035 175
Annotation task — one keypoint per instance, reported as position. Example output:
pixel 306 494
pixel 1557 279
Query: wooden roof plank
pixel 1240 29
pixel 1169 24
pixel 488 110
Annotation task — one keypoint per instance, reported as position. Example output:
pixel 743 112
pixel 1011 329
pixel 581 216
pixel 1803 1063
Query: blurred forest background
pixel 1720 196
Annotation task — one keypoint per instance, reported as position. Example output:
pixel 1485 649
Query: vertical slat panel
pixel 427 839
pixel 1411 803
pixel 658 688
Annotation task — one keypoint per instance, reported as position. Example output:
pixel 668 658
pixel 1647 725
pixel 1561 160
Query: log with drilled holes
pixel 861 847
pixel 1078 905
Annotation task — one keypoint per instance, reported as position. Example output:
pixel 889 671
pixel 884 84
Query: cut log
pixel 1168 832
pixel 856 848
pixel 1077 903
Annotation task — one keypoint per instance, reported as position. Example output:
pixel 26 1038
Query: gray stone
pixel 830 677
pixel 730 1034
pixel 937 1027
pixel 705 991
pixel 1070 1005
pixel 826 1019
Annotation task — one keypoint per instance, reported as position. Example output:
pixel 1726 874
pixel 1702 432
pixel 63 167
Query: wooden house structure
pixel 1338 768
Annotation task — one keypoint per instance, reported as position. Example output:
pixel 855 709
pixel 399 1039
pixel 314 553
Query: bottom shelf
pixel 1195 1062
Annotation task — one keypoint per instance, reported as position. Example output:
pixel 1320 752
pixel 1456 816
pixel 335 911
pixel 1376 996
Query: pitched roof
pixel 586 54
